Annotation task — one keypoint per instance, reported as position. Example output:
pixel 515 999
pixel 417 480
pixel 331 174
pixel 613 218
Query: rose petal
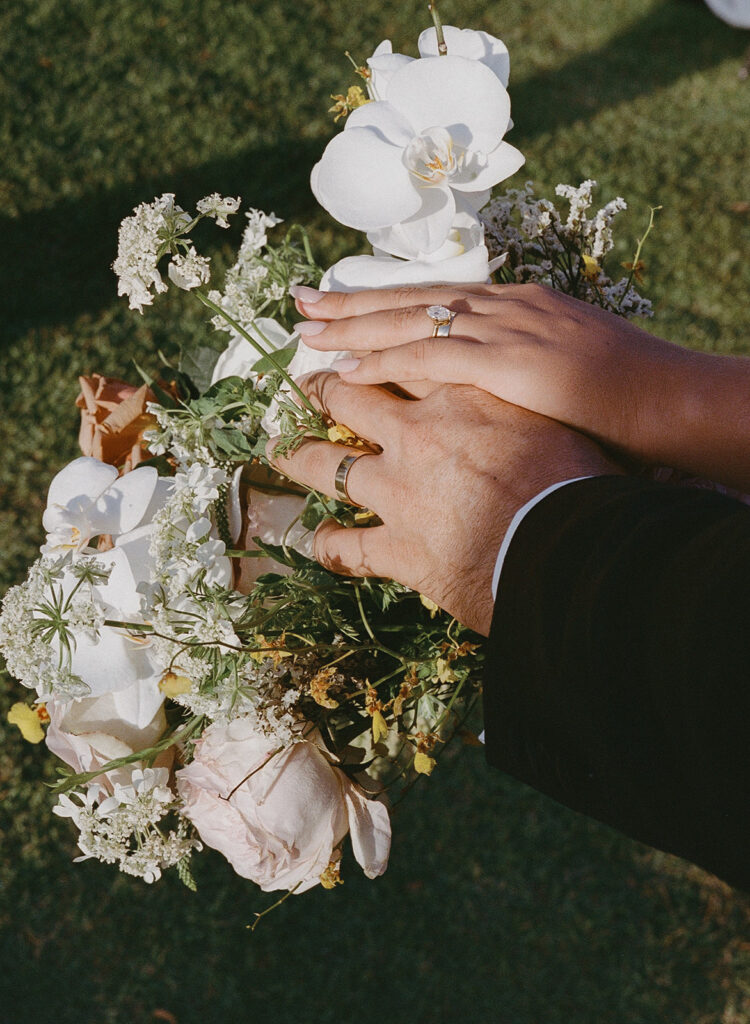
pixel 370 831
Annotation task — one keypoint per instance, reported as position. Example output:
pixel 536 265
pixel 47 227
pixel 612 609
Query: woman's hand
pixel 454 469
pixel 649 399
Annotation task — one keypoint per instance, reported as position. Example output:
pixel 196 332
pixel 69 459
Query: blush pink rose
pixel 279 818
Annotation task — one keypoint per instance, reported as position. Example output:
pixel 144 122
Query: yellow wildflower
pixel 344 105
pixel 29 720
pixel 379 727
pixel 637 269
pixel 591 269
pixel 171 685
pixel 430 605
pixel 331 877
pixel 338 432
pixel 443 671
pixel 272 649
pixel 423 763
pixel 320 684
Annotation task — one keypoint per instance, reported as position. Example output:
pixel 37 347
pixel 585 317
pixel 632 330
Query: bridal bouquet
pixel 202 678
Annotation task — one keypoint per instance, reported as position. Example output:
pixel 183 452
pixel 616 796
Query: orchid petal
pixel 461 95
pixel 466 42
pixel 83 478
pixel 362 182
pixel 121 507
pixel 359 273
pixel 425 232
pixel 476 176
pixel 383 118
pixel 383 64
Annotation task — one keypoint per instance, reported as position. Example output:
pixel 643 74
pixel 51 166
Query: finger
pixel 384 328
pixel 314 464
pixel 352 551
pixel 440 360
pixel 371 413
pixel 334 305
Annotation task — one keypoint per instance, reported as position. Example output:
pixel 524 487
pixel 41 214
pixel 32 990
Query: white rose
pixel 279 818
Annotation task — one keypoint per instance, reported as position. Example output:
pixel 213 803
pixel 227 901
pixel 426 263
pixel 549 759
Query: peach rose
pixel 279 818
pixel 113 419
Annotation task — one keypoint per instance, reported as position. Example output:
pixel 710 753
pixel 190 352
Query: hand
pixel 649 399
pixel 454 469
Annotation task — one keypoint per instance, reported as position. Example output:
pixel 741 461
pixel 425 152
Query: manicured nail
pixel 305 294
pixel 309 327
pixel 345 365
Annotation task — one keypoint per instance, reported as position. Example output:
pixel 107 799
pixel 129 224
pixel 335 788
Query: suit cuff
pixel 516 522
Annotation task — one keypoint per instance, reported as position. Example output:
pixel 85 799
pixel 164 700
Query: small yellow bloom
pixel 591 269
pixel 637 269
pixel 331 877
pixel 431 607
pixel 344 105
pixel 338 432
pixel 444 672
pixel 379 727
pixel 29 721
pixel 272 649
pixel 172 685
pixel 423 763
pixel 320 684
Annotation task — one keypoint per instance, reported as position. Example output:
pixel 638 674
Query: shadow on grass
pixel 58 259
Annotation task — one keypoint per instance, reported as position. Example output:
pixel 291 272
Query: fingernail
pixel 305 294
pixel 309 327
pixel 345 365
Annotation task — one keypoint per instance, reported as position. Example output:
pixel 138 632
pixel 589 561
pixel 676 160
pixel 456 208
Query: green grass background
pixel 499 905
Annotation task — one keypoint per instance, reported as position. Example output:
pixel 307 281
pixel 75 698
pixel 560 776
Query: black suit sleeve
pixel 618 664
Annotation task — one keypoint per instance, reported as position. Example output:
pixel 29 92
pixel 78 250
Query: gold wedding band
pixel 442 320
pixel 342 473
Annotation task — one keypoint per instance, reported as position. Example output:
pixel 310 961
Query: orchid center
pixel 431 156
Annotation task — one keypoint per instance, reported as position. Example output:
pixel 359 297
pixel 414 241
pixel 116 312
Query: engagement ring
pixel 442 318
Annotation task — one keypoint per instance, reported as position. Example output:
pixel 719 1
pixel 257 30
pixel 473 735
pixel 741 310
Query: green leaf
pixel 283 357
pixel 198 364
pixel 289 557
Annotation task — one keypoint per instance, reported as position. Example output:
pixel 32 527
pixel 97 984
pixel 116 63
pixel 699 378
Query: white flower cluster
pixel 565 253
pixel 122 828
pixel 41 620
pixel 155 229
pixel 247 289
pixel 218 207
pixel 143 239
pixel 184 547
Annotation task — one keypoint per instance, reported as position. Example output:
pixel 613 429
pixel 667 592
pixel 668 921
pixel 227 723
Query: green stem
pixel 442 48
pixel 214 307
pixel 639 247
pixel 262 913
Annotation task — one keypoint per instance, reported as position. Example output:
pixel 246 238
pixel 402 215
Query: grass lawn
pixel 499 906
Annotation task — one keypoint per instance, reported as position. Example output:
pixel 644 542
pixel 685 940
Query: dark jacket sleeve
pixel 618 664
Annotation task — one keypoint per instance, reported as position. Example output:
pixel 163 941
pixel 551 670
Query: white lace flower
pixel 140 245
pixel 189 270
pixel 218 207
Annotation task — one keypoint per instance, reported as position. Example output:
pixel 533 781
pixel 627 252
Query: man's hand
pixel 454 468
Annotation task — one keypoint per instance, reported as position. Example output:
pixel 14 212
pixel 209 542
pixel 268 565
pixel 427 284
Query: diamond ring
pixel 442 319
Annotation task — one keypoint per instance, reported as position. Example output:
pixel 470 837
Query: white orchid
pixel 462 259
pixel 460 42
pixel 88 498
pixel 430 148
